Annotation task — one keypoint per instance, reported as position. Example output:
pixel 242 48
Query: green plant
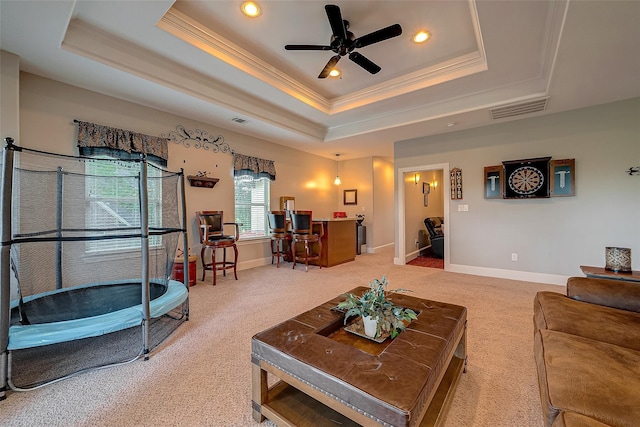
pixel 374 303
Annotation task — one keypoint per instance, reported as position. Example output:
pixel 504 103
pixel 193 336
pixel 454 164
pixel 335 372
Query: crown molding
pixel 93 43
pixel 198 35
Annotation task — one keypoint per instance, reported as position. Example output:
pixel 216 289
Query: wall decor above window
pixel 199 139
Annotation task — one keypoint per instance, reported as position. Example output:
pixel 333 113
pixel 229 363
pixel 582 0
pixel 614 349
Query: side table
pixel 629 276
pixel 178 269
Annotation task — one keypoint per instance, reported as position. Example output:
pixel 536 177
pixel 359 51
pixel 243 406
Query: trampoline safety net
pixel 78 252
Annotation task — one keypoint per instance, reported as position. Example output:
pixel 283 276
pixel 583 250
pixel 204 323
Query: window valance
pixel 254 167
pixel 94 139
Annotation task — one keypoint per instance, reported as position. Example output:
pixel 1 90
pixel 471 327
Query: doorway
pixel 422 192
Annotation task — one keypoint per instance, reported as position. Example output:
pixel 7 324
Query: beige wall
pixel 551 236
pixel 373 178
pixel 48 108
pixel 9 95
pixel 380 232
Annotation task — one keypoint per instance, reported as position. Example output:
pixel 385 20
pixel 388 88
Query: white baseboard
pixel 371 250
pixel 258 262
pixel 526 276
pixel 413 255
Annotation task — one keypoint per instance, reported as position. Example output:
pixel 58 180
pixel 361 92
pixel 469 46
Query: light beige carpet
pixel 201 376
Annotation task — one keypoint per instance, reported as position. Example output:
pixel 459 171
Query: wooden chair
pixel 211 227
pixel 280 238
pixel 302 232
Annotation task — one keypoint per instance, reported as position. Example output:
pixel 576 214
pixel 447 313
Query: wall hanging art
pixel 533 178
pixel 456 183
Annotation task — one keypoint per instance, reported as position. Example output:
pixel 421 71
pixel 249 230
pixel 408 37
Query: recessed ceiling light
pixel 421 36
pixel 334 73
pixel 250 9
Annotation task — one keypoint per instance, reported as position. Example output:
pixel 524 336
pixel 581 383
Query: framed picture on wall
pixel 426 188
pixel 426 200
pixel 350 197
pixel 493 182
pixel 563 178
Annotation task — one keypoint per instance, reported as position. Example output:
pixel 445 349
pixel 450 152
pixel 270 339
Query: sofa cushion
pixel 571 419
pixel 552 310
pixel 591 378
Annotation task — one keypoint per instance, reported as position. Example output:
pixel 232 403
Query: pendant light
pixel 337 180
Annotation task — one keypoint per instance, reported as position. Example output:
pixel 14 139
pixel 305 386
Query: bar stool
pixel 302 232
pixel 279 235
pixel 212 236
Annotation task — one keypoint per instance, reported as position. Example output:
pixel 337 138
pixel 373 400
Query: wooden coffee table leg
pixel 259 390
pixel 461 349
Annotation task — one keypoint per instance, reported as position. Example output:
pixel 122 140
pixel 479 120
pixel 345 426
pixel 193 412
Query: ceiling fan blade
pixel 364 62
pixel 378 36
pixel 336 22
pixel 306 47
pixel 327 68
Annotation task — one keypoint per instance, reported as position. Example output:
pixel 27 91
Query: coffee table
pixel 327 376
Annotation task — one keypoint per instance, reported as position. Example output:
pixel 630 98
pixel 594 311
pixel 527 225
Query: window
pixel 112 197
pixel 252 205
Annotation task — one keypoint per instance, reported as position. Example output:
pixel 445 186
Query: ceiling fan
pixel 343 42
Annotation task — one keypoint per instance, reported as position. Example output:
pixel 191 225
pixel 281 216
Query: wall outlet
pixel 514 257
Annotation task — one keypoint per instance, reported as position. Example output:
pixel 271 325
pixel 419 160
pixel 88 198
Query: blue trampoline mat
pixel 105 308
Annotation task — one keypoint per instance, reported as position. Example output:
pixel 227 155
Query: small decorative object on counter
pixel 618 259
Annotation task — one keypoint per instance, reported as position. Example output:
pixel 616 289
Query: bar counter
pixel 338 242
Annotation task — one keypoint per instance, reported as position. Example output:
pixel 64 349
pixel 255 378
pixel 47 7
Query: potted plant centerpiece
pixel 379 314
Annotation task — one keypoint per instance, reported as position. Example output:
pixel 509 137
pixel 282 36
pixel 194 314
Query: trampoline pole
pixel 5 263
pixel 144 231
pixel 59 229
pixel 185 237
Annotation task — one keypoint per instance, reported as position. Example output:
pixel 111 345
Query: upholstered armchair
pixel 436 235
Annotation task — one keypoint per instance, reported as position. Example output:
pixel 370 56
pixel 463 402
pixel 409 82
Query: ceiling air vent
pixel 519 109
pixel 238 120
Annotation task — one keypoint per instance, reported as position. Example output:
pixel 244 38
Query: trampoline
pixel 88 246
pixel 56 316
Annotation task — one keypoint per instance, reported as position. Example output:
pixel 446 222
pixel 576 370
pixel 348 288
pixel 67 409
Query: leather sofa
pixel 587 353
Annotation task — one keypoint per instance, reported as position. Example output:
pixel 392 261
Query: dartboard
pixel 526 180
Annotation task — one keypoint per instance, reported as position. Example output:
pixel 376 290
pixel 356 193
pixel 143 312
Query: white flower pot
pixel 370 326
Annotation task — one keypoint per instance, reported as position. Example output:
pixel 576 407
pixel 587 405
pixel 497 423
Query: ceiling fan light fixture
pixel 344 42
pixel 421 36
pixel 334 73
pixel 251 9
